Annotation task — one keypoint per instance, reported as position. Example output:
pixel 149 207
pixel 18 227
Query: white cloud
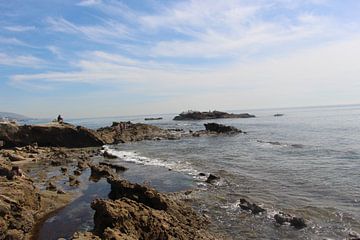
pixel 19 28
pixel 12 41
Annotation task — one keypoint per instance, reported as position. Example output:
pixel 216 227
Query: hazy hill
pixel 12 116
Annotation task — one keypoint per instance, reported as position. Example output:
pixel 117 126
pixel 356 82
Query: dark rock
pixel 202 174
pixel 252 207
pixel 151 119
pixel 106 154
pixel 63 169
pixel 82 164
pixel 278 115
pixel 212 178
pixel 55 163
pixel 196 115
pixel 77 172
pixel 220 128
pixel 297 222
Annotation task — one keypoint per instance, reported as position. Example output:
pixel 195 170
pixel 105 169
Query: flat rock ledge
pixel 136 211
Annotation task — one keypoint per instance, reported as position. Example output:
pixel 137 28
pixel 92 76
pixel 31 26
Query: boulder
pixel 53 134
pixel 196 115
pixel 108 155
pixel 220 128
pixel 100 171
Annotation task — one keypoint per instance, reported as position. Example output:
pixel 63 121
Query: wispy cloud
pixel 89 2
pixel 21 60
pixel 108 31
pixel 18 28
pixel 12 41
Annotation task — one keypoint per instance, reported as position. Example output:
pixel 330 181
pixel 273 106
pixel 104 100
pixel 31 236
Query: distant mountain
pixel 12 116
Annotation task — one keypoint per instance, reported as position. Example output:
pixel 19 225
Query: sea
pixel 305 163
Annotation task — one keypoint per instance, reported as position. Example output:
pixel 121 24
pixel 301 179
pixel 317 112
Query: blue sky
pixel 92 58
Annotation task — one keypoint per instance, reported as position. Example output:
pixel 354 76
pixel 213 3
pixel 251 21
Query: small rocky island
pixel 197 115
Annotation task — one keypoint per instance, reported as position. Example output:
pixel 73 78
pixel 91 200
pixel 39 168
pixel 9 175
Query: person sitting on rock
pixel 60 119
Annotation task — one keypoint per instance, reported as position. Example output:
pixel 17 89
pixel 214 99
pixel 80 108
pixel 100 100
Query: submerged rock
pixel 196 115
pixel 252 207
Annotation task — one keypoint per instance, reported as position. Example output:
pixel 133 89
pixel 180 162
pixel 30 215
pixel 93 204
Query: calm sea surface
pixel 306 163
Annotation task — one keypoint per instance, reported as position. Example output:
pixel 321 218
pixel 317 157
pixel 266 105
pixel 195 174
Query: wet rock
pixel 196 115
pixel 202 174
pixel 212 178
pixel 283 218
pixel 15 157
pixel 252 207
pixel 118 168
pixel 63 169
pixel 108 155
pixel 220 128
pixel 77 172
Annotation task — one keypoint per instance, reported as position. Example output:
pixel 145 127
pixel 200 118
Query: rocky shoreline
pixel 197 115
pixel 29 195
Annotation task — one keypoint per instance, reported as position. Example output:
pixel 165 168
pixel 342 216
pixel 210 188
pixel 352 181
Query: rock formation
pixel 140 212
pixel 49 135
pixel 196 115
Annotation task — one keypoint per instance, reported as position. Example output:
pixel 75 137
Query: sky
pixel 93 58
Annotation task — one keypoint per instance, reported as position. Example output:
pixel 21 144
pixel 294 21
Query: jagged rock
pixel 202 174
pixel 63 169
pixel 220 128
pixel 121 132
pixel 77 172
pixel 100 171
pixel 73 181
pixel 54 134
pixel 212 178
pixel 196 115
pixel 15 157
pixel 114 166
pixel 297 222
pixel 146 195
pixel 55 163
pixel 82 164
pixel 252 207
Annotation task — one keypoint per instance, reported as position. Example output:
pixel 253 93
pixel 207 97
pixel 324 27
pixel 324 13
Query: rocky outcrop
pixel 140 212
pixel 49 135
pixel 196 115
pixel 220 128
pixel 121 132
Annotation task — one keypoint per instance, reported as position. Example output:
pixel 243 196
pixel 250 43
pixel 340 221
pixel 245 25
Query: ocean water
pixel 306 163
